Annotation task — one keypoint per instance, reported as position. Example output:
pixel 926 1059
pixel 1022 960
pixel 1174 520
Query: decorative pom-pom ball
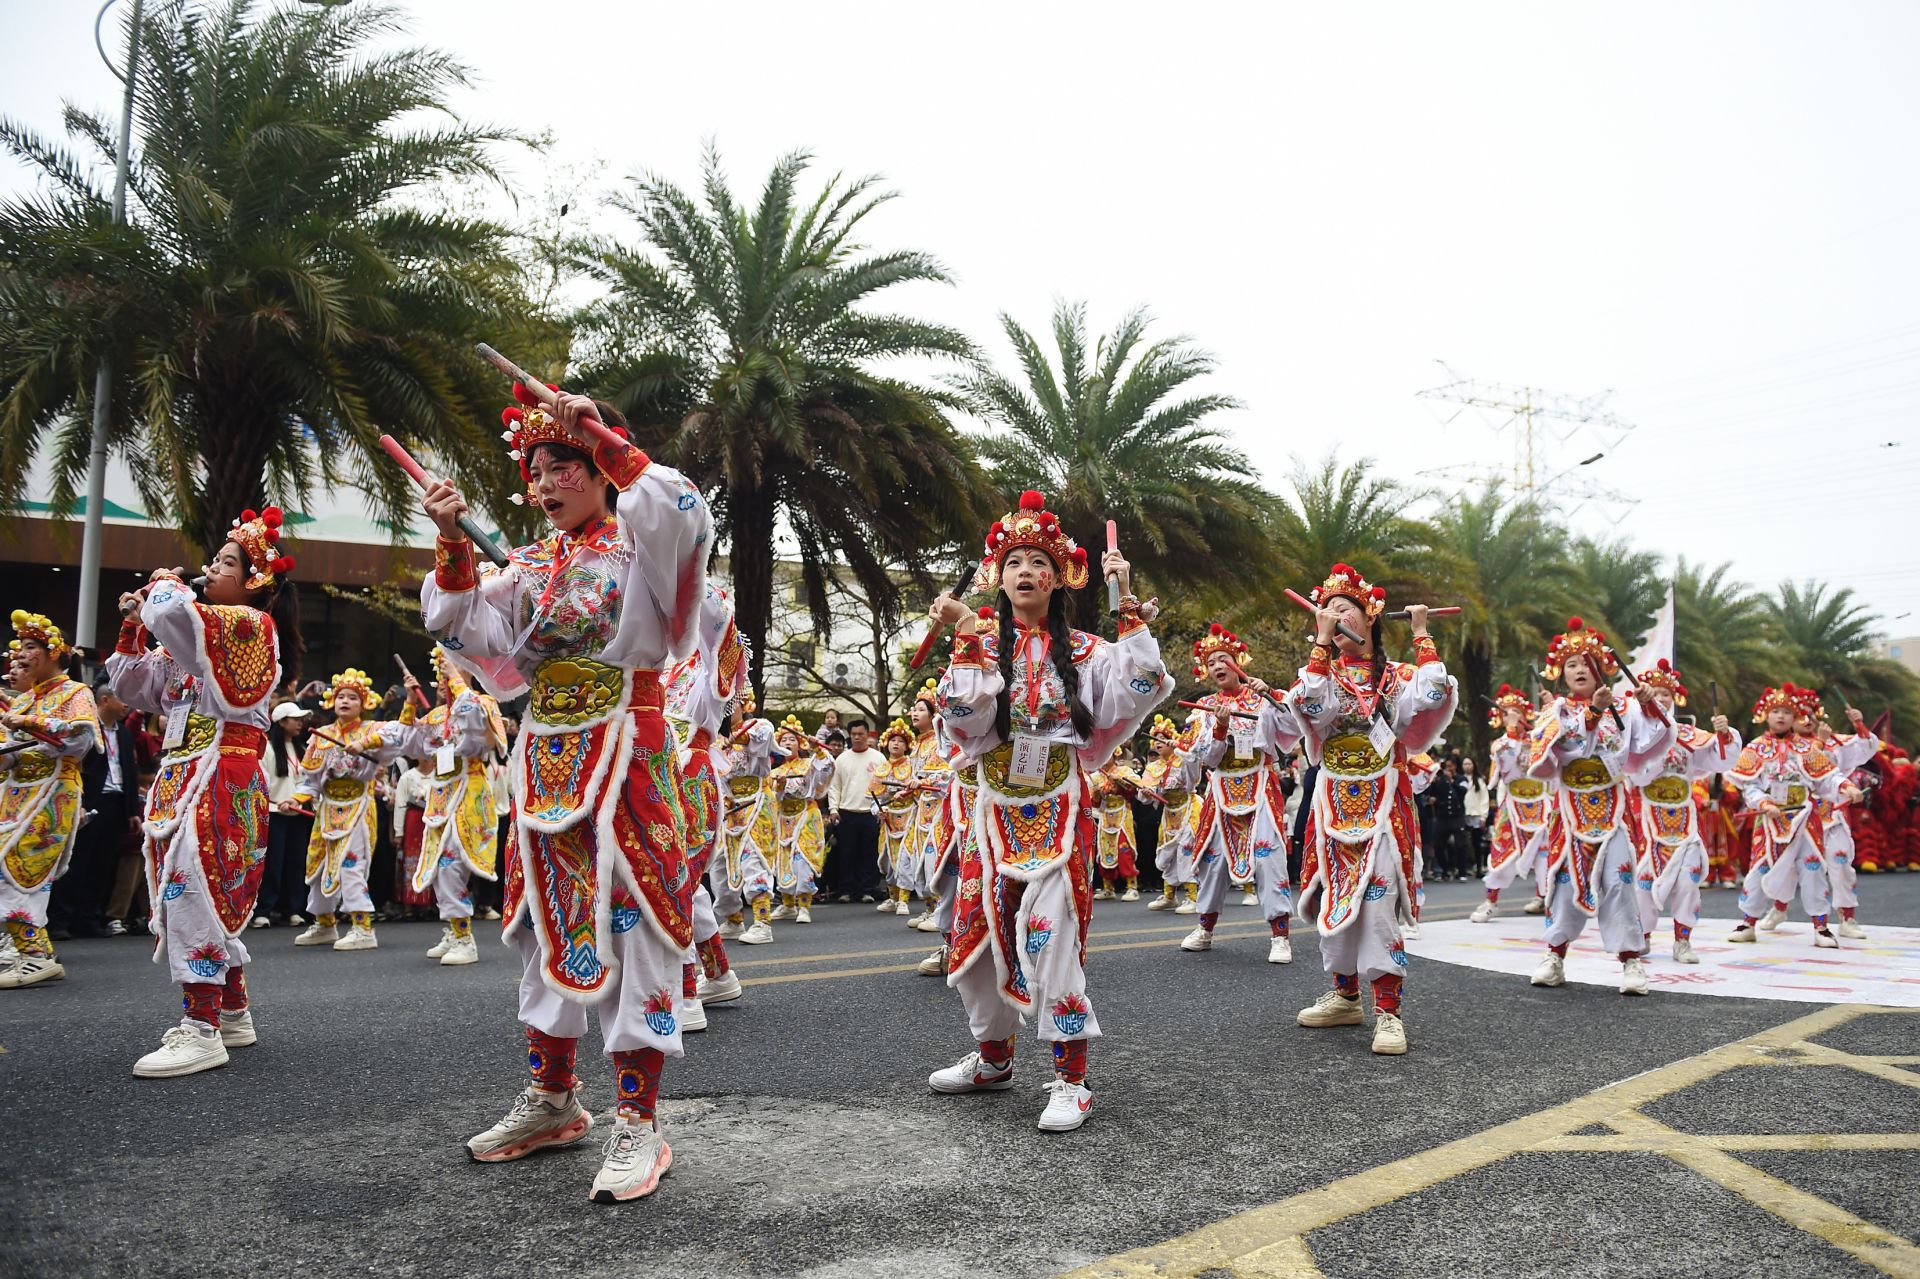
pixel 1031 500
pixel 526 397
pixel 515 454
pixel 1574 623
pixel 1080 555
pixel 518 499
pixel 1379 592
pixel 273 516
pixel 249 515
pixel 1664 664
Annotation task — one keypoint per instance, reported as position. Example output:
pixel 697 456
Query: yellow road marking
pixel 1739 1141
pixel 1264 1242
pixel 1821 1055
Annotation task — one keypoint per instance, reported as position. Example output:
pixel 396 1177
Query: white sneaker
pixel 296 919
pixel 730 930
pixel 759 934
pixel 902 908
pixel 637 1156
pixel 537 1118
pixel 1772 919
pixel 724 989
pixel 1280 951
pixel 1551 972
pixel 1067 1106
pixel 1131 895
pixel 441 947
pixel 1250 899
pixel 260 921
pixel 1847 928
pixel 1198 939
pixel 1103 894
pixel 1744 933
pixel 1412 931
pixel 934 965
pixel 1188 907
pixel 1332 1009
pixel 1389 1035
pixel 970 1074
pixel 462 951
pixel 184 1050
pixel 318 934
pixel 693 1016
pixel 358 938
pixel 1161 903
pixel 803 916
pixel 782 913
pixel 1826 941
pixel 919 919
pixel 1484 912
pixel 31 970
pixel 1683 951
pixel 236 1029
pixel 1633 977
pixel 886 906
pixel 1538 906
pixel 491 915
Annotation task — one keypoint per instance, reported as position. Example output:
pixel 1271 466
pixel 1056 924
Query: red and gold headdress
pixel 1662 675
pixel 1808 703
pixel 1164 729
pixel 529 425
pixel 792 724
pixel 1784 698
pixel 258 537
pixel 351 678
pixel 929 693
pixel 1509 698
pixel 40 629
pixel 1580 640
pixel 899 729
pixel 1219 639
pixel 1345 580
pixel 1031 524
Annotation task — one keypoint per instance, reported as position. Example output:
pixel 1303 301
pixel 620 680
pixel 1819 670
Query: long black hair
pixel 1060 647
pixel 282 604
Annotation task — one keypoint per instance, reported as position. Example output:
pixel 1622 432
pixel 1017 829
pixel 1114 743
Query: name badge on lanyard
pixel 1381 735
pixel 443 760
pixel 1029 764
pixel 1243 731
pixel 177 725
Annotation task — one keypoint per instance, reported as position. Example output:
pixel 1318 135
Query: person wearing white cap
pixel 289 826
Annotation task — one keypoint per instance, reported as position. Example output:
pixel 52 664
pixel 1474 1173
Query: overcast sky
pixel 1711 209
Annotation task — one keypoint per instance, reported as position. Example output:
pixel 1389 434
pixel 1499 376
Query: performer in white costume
pixel 1520 824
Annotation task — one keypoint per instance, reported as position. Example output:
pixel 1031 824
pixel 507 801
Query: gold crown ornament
pixel 1580 640
pixel 529 425
pixel 792 724
pixel 1785 698
pixel 1663 675
pixel 258 537
pixel 1031 524
pixel 449 673
pixel 1219 639
pixel 929 693
pixel 1164 729
pixel 900 729
pixel 39 628
pixel 1509 698
pixel 1345 579
pixel 352 678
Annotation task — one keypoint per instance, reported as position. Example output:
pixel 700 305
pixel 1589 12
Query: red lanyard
pixel 1367 701
pixel 562 563
pixel 1035 665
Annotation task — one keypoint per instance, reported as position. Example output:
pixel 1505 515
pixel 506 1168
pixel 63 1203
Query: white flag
pixel 1658 641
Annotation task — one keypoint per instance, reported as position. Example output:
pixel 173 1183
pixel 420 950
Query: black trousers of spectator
pixel 853 865
pixel 1476 840
pixel 1146 838
pixel 78 902
pixel 381 879
pixel 1453 845
pixel 283 880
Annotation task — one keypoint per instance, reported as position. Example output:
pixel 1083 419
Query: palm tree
pixel 1116 432
pixel 1724 636
pixel 1825 632
pixel 279 294
pixel 1622 589
pixel 1520 585
pixel 1352 514
pixel 739 342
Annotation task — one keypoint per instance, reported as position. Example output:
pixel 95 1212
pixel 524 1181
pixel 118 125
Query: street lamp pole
pixel 87 614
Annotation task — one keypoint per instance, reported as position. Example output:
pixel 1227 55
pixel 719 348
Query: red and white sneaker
pixel 971 1074
pixel 537 1118
pixel 637 1156
pixel 1067 1107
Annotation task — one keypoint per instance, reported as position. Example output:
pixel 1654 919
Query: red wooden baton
pixel 1307 604
pixel 398 452
pixel 546 395
pixel 934 632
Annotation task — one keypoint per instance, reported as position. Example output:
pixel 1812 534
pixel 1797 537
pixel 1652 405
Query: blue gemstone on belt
pixel 1028 810
pixel 556 744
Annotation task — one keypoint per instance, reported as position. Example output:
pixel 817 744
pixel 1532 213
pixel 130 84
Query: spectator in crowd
pixel 1302 811
pixel 127 904
pixel 853 869
pixel 1447 855
pixel 110 793
pixel 829 725
pixel 835 741
pixel 1475 802
pixel 410 830
pixel 283 880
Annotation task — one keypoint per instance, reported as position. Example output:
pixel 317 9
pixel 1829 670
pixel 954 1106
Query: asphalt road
pixel 807 1143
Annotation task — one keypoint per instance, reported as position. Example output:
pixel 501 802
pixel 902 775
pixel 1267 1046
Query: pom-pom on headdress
pixel 1807 702
pixel 1662 675
pixel 1219 639
pixel 39 628
pixel 900 729
pixel 1345 580
pixel 529 425
pixel 929 693
pixel 1580 640
pixel 1508 698
pixel 792 724
pixel 1164 729
pixel 1031 524
pixel 1784 698
pixel 351 678
pixel 258 537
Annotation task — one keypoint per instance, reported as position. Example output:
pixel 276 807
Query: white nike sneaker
pixel 537 1118
pixel 1484 912
pixel 1332 1009
pixel 1683 951
pixel 318 934
pixel 1131 895
pixel 442 946
pixel 1849 929
pixel 463 951
pixel 970 1074
pixel 358 938
pixel 1280 951
pixel 31 970
pixel 1826 941
pixel 636 1158
pixel 1412 931
pixel 1551 972
pixel 236 1029
pixel 934 965
pixel 759 934
pixel 1633 977
pixel 1067 1106
pixel 724 989
pixel 186 1049
pixel 1198 939
pixel 1389 1035
pixel 931 924
pixel 783 913
pixel 804 915
pixel 1772 919
pixel 1160 903
pixel 1744 933
pixel 1538 906
pixel 693 1016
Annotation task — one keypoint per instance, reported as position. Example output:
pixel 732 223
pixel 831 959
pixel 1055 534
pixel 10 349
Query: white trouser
pixel 450 887
pixel 1613 895
pixel 352 897
pixel 650 968
pixel 1842 875
pixel 1052 970
pixel 1808 878
pixel 1370 946
pixel 190 933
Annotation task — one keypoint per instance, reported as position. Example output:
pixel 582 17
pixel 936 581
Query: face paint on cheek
pixel 573 479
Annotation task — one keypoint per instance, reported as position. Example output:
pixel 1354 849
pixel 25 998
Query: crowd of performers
pixel 655 816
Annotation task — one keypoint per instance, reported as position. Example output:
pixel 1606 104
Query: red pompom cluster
pixel 1218 639
pixel 258 533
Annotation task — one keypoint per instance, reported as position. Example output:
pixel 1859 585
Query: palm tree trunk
pixel 752 509
pixel 235 458
pixel 1477 683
